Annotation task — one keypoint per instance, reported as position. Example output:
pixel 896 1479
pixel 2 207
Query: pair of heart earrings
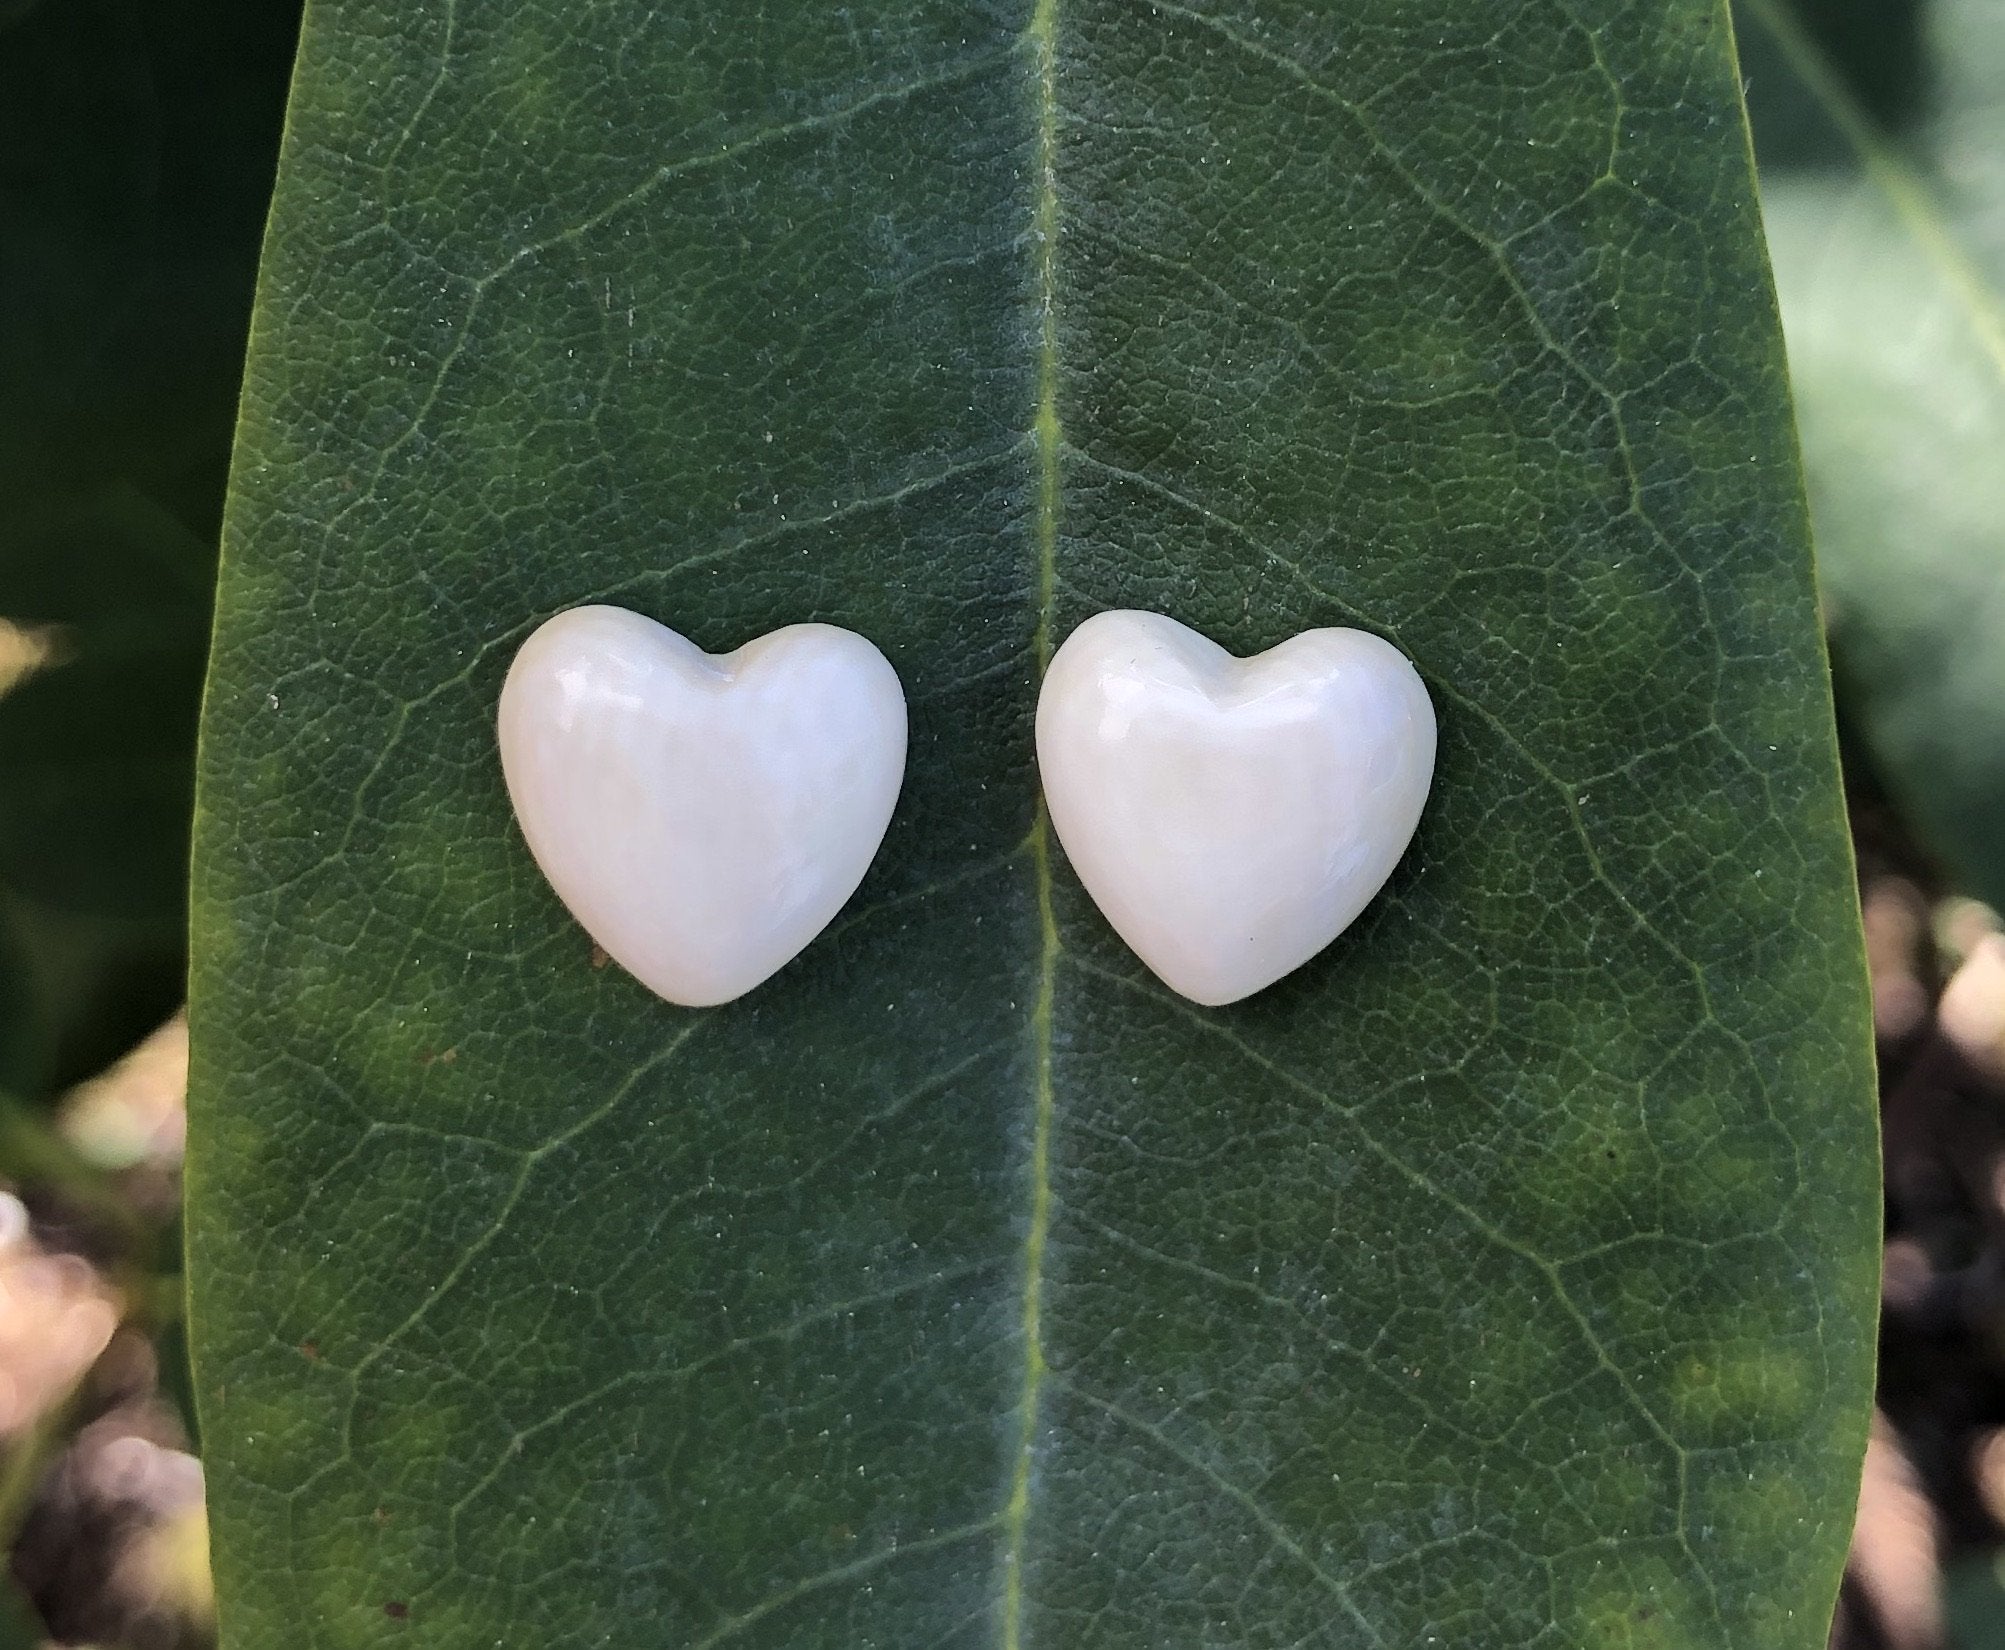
pixel 705 816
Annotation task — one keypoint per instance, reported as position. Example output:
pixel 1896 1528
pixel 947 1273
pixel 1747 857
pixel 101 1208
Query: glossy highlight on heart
pixel 1231 817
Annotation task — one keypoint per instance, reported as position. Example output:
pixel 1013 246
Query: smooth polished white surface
pixel 703 816
pixel 1231 816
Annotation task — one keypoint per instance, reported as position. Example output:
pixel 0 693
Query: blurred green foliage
pixel 1881 130
pixel 137 141
pixel 1878 51
pixel 1880 127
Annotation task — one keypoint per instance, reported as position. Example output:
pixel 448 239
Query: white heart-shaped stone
pixel 1231 816
pixel 703 816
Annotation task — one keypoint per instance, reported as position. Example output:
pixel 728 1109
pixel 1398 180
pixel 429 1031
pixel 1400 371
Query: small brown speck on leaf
pixel 600 956
pixel 310 1351
pixel 381 1515
pixel 397 1610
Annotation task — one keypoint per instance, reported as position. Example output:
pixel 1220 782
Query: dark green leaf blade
pixel 1505 1276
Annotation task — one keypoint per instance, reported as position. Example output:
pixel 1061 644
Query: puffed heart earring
pixel 1230 817
pixel 703 816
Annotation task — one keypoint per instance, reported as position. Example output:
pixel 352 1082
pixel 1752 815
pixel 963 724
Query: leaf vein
pixel 1480 1224
pixel 733 1625
pixel 1272 1527
pixel 1042 35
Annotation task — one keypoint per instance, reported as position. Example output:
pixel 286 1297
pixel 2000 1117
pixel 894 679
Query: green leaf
pixel 139 138
pixel 20 1628
pixel 1974 1602
pixel 1506 1276
pixel 1879 51
pixel 1892 272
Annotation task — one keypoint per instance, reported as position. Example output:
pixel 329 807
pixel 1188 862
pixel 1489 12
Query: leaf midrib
pixel 1042 35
